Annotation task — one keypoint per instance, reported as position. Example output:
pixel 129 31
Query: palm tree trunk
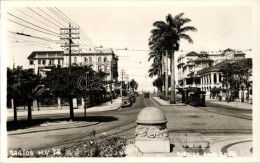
pixel 173 100
pixel 163 71
pixel 71 109
pixel 166 76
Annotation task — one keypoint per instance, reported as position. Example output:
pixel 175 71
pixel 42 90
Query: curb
pixel 237 116
pixel 229 107
pixel 27 132
pixel 182 104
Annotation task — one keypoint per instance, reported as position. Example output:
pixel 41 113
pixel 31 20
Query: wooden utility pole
pixel 69 34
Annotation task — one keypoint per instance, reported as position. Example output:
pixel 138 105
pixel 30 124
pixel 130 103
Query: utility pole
pixel 69 34
pixel 121 91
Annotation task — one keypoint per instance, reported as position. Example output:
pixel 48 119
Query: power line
pixel 50 16
pixel 37 20
pixel 84 34
pixel 31 27
pixel 58 15
pixel 32 23
pixel 27 35
pixel 42 16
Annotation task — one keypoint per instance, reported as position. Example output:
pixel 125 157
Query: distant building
pixel 41 61
pixel 190 64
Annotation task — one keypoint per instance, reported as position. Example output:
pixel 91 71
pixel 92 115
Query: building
pixel 191 65
pixel 41 61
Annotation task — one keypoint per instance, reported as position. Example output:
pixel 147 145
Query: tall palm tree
pixel 178 26
pixel 156 43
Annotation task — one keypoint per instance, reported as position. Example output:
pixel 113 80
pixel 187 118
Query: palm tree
pixel 177 26
pixel 157 45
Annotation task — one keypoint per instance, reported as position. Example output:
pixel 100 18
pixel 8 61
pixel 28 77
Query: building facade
pixel 201 69
pixel 41 61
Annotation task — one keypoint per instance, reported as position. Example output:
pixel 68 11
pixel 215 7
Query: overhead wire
pixel 38 20
pixel 42 17
pixel 50 16
pixel 31 28
pixel 32 24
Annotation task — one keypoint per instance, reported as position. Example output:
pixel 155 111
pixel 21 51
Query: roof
pixel 203 59
pixel 216 67
pixel 192 54
pixel 228 49
pixel 33 54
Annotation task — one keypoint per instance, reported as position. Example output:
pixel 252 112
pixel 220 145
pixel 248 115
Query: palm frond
pixel 187 29
pixel 186 37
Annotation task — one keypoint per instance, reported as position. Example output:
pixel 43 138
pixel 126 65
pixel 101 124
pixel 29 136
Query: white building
pixel 41 61
pixel 191 66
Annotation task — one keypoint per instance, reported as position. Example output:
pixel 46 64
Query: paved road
pixel 181 119
pixel 236 112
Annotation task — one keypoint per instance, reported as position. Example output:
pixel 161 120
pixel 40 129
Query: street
pixel 181 119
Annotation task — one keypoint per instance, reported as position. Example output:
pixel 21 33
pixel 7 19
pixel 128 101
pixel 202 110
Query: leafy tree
pixel 63 82
pixel 12 87
pixel 133 84
pixel 236 72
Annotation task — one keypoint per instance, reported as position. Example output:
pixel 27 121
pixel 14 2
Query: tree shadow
pixel 24 124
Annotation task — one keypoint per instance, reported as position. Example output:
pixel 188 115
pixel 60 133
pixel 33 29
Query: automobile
pixel 126 101
pixel 132 97
pixel 146 94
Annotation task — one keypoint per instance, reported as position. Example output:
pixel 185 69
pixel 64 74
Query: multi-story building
pixel 41 61
pixel 191 66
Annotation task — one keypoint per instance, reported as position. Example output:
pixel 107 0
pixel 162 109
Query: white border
pixel 255 4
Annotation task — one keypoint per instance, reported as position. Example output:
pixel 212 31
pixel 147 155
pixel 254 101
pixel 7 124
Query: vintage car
pixel 132 97
pixel 126 101
pixel 146 94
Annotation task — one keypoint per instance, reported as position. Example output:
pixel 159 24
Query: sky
pixel 119 27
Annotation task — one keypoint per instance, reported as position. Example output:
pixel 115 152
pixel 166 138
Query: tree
pixel 177 32
pixel 133 85
pixel 65 85
pixel 166 37
pixel 236 72
pixel 12 87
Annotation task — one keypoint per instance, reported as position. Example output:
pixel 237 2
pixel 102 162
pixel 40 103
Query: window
pixel 75 59
pixel 44 62
pixel 99 59
pixel 39 61
pixel 99 68
pixel 51 62
pixel 31 62
pixel 215 78
pixel 90 59
pixel 59 60
pixel 85 59
pixel 105 59
pixel 105 68
pixel 219 78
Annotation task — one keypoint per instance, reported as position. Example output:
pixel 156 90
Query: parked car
pixel 146 94
pixel 126 101
pixel 132 97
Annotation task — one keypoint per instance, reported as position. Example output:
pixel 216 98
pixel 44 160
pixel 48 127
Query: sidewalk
pixel 166 103
pixel 234 104
pixel 107 106
pixel 42 126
